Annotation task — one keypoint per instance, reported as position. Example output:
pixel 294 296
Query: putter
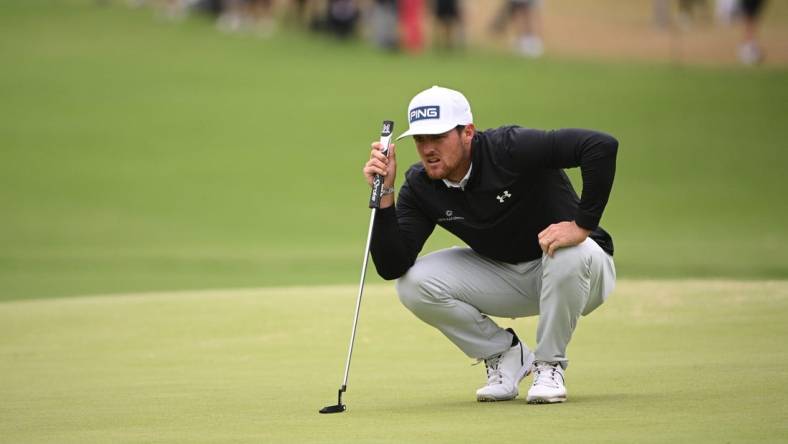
pixel 374 204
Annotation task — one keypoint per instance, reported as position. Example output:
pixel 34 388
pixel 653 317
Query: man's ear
pixel 468 132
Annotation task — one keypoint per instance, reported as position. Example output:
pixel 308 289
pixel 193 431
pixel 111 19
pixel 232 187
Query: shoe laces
pixel 494 374
pixel 546 374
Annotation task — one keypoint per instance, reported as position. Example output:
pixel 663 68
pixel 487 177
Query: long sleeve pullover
pixel 517 187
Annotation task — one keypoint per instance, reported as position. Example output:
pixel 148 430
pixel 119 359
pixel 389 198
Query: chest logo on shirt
pixel 502 197
pixel 450 217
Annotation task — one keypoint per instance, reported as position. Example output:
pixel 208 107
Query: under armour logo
pixel 503 196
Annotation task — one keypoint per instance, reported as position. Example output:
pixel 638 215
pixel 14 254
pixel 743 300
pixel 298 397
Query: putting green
pixel 687 361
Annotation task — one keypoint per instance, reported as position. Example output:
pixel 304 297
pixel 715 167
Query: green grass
pixel 138 154
pixel 661 361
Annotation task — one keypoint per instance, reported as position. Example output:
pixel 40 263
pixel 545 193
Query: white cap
pixel 437 110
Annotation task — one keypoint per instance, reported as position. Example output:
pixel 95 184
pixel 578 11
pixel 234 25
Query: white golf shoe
pixel 548 386
pixel 505 371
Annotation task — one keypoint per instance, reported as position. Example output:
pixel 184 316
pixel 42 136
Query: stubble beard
pixel 445 170
pixel 440 174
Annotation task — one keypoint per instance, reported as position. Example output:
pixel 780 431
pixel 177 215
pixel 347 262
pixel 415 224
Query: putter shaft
pixel 358 303
pixel 374 204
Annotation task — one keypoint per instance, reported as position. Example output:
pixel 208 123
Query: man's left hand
pixel 562 234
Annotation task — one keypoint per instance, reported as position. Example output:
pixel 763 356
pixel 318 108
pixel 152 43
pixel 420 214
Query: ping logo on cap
pixel 424 112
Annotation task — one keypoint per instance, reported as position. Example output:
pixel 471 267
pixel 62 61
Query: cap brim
pixel 425 131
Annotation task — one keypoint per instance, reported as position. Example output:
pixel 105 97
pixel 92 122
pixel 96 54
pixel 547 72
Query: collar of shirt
pixel 461 184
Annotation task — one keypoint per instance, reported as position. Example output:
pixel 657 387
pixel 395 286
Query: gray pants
pixel 455 289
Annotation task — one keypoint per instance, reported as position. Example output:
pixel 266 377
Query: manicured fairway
pixel 663 361
pixel 138 154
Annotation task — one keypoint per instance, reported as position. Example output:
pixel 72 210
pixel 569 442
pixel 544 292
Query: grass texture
pixel 661 361
pixel 140 154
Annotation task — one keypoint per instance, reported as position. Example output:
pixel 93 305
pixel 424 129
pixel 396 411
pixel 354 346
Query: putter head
pixel 338 408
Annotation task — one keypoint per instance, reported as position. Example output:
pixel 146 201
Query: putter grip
pixel 377 181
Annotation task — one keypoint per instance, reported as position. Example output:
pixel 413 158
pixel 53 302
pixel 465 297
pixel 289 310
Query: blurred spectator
pixel 254 15
pixel 411 13
pixel 725 10
pixel 449 31
pixel 750 51
pixel 383 22
pixel 339 18
pixel 524 14
pixel 212 7
pixel 342 17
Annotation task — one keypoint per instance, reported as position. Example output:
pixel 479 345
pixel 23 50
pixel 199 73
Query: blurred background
pixel 189 144
pixel 696 31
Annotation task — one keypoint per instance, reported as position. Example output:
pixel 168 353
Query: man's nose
pixel 426 148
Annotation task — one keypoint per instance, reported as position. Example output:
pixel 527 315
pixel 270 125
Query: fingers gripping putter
pixel 374 204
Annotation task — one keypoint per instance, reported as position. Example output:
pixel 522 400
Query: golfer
pixel 534 247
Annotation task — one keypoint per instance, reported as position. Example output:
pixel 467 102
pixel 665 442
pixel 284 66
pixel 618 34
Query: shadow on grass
pixel 421 406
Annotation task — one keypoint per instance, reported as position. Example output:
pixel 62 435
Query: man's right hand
pixel 380 164
pixel 385 166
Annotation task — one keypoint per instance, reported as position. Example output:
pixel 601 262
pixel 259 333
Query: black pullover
pixel 517 187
